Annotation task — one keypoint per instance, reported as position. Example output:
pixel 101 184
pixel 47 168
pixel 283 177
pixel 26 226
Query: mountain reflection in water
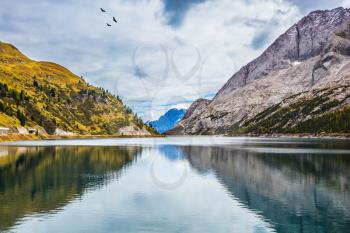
pixel 242 185
pixel 295 192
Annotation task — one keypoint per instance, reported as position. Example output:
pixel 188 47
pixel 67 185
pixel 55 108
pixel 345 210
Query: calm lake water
pixel 178 184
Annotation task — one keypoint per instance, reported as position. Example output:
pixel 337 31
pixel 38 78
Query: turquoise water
pixel 179 184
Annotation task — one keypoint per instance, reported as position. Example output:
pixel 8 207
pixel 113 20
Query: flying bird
pixel 102 10
pixel 109 25
pixel 115 20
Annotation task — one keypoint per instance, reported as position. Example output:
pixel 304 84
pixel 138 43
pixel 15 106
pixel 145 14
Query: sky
pixel 161 54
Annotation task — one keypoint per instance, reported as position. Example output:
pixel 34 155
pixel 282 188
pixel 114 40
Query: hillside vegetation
pixel 324 110
pixel 46 95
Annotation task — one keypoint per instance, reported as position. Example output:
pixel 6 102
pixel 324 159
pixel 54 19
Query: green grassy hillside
pixel 47 95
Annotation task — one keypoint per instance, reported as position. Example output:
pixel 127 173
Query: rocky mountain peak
pixel 304 40
pixel 168 120
pixel 195 106
pixel 311 54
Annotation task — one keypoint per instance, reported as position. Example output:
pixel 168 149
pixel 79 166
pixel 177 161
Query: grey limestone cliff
pixel 312 53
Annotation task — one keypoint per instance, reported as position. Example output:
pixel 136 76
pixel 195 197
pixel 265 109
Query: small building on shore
pixel 32 131
pixel 4 131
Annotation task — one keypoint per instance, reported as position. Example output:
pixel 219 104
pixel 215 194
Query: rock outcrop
pixel 309 55
pixel 61 132
pixel 134 130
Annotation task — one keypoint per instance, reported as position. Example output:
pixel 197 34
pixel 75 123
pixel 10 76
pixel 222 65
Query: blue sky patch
pixel 176 10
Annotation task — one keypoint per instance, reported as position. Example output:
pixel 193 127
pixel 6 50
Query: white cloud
pixel 346 3
pixel 152 65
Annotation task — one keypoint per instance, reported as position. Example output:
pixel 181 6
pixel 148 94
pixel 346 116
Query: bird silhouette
pixel 109 25
pixel 115 20
pixel 102 10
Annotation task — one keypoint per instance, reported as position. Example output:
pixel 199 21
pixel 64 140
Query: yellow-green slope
pixel 44 94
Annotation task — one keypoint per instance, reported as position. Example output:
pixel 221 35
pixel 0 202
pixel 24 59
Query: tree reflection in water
pixel 44 179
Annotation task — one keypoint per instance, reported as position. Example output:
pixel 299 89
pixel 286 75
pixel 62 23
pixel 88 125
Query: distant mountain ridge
pixel 310 55
pixel 50 98
pixel 168 120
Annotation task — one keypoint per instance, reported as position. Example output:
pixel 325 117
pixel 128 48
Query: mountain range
pixel 167 121
pixel 48 97
pixel 300 84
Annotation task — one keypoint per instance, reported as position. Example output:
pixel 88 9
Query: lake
pixel 175 184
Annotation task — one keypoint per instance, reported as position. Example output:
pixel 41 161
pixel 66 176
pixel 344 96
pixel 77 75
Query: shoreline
pixel 311 136
pixel 31 137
